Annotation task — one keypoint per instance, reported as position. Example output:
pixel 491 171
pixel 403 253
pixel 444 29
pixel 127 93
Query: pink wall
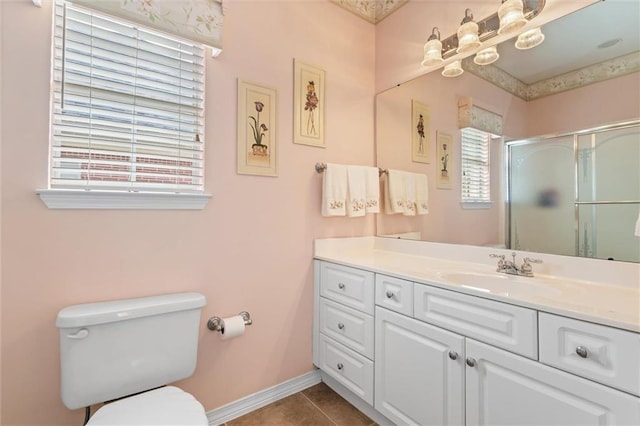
pixel 250 248
pixel 594 105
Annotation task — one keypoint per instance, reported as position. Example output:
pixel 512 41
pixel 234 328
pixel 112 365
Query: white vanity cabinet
pixel 343 326
pixel 457 359
pixel 507 389
pixel 419 372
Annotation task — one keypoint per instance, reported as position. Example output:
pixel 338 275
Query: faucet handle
pixel 501 261
pixel 526 268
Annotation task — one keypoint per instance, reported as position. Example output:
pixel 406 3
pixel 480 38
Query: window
pixel 127 107
pixel 475 167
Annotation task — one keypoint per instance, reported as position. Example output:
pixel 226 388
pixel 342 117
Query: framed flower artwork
pixel 308 104
pixel 444 164
pixel 257 143
pixel 420 133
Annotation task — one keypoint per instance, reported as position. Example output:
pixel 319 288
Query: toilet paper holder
pixel 216 323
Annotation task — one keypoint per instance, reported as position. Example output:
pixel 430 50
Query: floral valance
pixel 198 20
pixel 470 115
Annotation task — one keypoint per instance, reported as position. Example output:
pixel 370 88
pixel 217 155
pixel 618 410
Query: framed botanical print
pixel 308 104
pixel 257 143
pixel 444 155
pixel 420 146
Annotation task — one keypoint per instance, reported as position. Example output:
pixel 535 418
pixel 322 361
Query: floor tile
pixel 295 410
pixel 336 407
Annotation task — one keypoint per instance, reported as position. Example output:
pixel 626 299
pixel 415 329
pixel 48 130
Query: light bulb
pixel 529 39
pixel 487 56
pixel 511 16
pixel 453 69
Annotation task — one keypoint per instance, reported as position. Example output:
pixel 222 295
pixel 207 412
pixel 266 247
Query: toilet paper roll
pixel 232 327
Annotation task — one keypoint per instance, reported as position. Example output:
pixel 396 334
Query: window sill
pixel 120 200
pixel 474 205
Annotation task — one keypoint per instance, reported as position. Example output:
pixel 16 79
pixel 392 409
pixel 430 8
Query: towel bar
pixel 321 167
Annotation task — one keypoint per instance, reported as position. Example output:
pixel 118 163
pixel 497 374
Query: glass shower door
pixel 541 196
pixel 608 195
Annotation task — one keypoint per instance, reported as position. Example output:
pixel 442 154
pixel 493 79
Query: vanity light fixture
pixel 530 39
pixel 433 49
pixel 511 15
pixel 487 56
pixel 471 34
pixel 453 69
pixel 468 38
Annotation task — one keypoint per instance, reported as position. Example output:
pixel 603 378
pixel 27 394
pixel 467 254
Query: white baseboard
pixel 264 397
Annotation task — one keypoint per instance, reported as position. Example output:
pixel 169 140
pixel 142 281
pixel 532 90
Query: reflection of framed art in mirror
pixel 445 150
pixel 420 132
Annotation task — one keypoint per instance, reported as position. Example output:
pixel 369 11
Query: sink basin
pixel 502 284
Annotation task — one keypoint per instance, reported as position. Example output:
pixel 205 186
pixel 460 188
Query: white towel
pixel 357 191
pixel 637 233
pixel 422 194
pixel 394 192
pixel 372 183
pixel 334 190
pixel 410 194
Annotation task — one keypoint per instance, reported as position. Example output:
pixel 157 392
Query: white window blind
pixel 475 166
pixel 127 106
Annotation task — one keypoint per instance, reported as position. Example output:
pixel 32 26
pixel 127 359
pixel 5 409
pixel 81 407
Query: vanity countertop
pixel 556 288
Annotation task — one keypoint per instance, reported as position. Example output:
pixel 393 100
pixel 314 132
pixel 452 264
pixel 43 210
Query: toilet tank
pixel 113 349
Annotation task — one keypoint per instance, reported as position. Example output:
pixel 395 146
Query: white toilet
pixel 109 350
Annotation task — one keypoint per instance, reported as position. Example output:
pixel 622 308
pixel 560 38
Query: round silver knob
pixel 390 294
pixel 582 352
pixel 471 362
pixel 340 366
pixel 453 355
pixel 341 326
pixel 341 286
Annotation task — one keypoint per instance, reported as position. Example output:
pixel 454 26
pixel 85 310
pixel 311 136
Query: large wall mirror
pixel 565 173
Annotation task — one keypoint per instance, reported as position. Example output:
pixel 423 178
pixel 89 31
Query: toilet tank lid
pixel 88 314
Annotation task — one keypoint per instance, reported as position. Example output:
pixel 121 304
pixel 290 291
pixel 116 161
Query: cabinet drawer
pixel 500 324
pixel 394 294
pixel 349 286
pixel 352 328
pixel 597 352
pixel 350 369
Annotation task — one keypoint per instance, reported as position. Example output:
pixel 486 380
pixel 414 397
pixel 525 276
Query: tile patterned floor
pixel 318 405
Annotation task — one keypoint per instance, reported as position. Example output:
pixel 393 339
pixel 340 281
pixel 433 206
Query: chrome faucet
pixel 510 266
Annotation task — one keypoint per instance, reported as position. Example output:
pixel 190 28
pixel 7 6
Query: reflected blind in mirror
pixel 475 165
pixel 127 108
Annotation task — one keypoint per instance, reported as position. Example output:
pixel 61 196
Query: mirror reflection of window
pixel 475 181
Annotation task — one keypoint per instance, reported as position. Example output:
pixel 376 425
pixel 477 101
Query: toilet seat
pixel 164 406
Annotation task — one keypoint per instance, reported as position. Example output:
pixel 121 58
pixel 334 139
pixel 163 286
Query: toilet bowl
pixel 127 351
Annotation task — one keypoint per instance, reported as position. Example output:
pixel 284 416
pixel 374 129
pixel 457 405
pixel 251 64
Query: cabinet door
pixel 416 381
pixel 506 389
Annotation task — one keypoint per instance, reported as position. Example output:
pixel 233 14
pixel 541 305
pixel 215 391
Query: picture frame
pixel 308 104
pixel 445 153
pixel 420 133
pixel 257 135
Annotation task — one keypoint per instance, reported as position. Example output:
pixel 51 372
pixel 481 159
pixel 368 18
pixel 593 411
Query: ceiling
pixel 580 39
pixel 373 11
